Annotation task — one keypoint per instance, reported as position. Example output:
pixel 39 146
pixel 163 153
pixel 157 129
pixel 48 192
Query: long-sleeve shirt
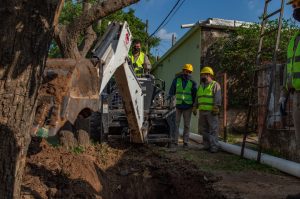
pixel 172 91
pixel 216 93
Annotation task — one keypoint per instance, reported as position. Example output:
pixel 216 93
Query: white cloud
pixel 251 4
pixel 163 34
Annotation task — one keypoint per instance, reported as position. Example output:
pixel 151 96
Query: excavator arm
pixel 110 54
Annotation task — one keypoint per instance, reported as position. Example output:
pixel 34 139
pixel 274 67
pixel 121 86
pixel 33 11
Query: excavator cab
pixel 159 115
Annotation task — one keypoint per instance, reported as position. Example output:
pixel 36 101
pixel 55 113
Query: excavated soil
pixel 112 171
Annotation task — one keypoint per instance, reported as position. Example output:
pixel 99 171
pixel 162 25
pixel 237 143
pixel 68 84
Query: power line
pixel 173 13
pixel 165 18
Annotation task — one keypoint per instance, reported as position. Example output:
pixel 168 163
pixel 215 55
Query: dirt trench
pixel 114 171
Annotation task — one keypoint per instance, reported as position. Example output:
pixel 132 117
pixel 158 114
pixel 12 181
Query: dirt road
pixel 117 170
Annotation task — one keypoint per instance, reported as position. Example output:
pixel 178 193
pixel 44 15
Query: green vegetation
pixel 236 55
pixel 221 161
pixel 234 138
pixel 78 149
pixel 73 9
pixel 53 141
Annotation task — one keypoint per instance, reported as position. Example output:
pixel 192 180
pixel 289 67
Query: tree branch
pixel 89 34
pixel 89 38
pixel 80 24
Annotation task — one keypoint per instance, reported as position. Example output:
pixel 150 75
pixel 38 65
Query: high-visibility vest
pixel 293 63
pixel 205 97
pixel 184 95
pixel 139 69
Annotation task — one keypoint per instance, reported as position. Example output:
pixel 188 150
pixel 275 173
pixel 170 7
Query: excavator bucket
pixel 69 88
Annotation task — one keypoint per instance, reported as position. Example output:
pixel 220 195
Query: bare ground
pixel 241 178
pixel 129 171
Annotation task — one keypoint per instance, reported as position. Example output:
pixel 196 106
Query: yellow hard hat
pixel 207 70
pixel 188 67
pixel 291 1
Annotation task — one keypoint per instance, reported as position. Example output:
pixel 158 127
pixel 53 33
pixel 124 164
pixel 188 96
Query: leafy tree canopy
pixel 236 55
pixel 72 9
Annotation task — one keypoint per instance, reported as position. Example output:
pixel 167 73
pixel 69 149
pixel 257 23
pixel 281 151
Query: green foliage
pixel 72 9
pixel 54 51
pixel 78 149
pixel 236 55
pixel 136 25
pixel 224 162
pixel 53 141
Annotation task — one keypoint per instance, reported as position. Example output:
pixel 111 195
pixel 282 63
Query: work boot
pixel 185 146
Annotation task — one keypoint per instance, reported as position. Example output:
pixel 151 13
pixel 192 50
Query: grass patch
pixel 234 138
pixel 224 162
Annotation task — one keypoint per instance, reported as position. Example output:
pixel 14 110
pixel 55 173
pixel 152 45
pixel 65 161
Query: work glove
pixel 215 110
pixel 194 110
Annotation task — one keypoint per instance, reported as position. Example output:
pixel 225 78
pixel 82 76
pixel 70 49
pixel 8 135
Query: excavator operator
pixel 139 60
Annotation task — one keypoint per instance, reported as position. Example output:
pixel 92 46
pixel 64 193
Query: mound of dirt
pixel 116 171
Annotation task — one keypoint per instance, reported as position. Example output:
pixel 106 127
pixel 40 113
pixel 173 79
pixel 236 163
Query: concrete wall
pixel 187 52
pixel 280 138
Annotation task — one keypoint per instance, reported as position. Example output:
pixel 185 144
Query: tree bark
pixel 89 34
pixel 67 36
pixel 25 35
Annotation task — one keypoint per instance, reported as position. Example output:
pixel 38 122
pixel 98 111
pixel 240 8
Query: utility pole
pixel 173 39
pixel 147 37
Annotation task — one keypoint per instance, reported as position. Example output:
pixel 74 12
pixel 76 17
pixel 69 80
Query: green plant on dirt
pixel 73 9
pixel 53 141
pixel 236 55
pixel 78 149
pixel 234 138
pixel 224 162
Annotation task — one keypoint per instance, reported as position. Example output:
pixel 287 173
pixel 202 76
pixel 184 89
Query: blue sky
pixel 192 11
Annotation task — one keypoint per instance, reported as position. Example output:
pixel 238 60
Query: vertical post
pixel 225 106
pixel 173 39
pixel 147 42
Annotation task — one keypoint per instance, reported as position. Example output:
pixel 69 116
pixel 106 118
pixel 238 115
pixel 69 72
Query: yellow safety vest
pixel 293 63
pixel 205 97
pixel 139 69
pixel 184 95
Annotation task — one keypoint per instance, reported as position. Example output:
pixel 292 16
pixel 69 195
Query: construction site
pixel 104 124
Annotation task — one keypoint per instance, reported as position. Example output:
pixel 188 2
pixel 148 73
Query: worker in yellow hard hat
pixel 185 89
pixel 208 104
pixel 292 82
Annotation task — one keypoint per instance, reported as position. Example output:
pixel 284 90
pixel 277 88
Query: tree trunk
pixel 25 36
pixel 67 36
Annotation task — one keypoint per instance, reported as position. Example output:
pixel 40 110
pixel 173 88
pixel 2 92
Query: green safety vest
pixel 139 70
pixel 184 95
pixel 293 64
pixel 205 97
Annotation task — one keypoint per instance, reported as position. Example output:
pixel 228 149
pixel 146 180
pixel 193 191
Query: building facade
pixel 193 48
